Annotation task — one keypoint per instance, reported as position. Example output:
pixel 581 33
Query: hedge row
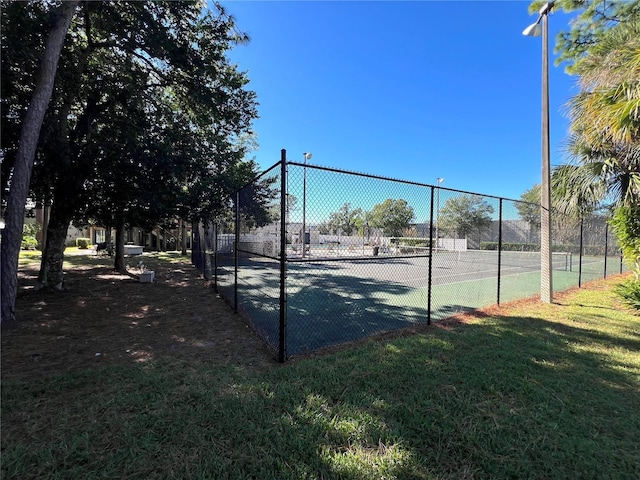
pixel 511 247
pixel 83 243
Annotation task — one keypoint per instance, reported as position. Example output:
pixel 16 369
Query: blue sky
pixel 411 90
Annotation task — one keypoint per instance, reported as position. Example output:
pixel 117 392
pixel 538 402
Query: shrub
pixel 630 292
pixel 83 243
pixel 29 242
pixel 626 225
pixel 511 247
pixel 410 241
pixel 29 231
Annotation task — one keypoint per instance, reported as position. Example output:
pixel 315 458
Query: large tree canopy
pixel 393 216
pixel 145 118
pixel 345 220
pixel 601 45
pixel 592 21
pixel 466 214
pixel 605 115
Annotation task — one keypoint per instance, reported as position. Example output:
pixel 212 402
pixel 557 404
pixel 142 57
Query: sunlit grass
pixel 29 258
pixel 532 391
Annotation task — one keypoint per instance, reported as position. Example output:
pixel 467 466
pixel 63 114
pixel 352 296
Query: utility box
pixel 147 277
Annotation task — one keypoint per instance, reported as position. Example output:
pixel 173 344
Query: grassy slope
pixel 531 391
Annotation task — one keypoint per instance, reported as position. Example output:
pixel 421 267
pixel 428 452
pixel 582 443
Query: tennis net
pixel 525 260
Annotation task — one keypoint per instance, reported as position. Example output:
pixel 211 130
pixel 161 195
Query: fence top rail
pixel 397 180
pixel 256 178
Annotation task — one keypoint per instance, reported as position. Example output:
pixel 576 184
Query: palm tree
pixel 605 127
pixel 605 123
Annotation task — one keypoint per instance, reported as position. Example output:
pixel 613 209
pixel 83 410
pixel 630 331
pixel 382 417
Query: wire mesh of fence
pixel 315 257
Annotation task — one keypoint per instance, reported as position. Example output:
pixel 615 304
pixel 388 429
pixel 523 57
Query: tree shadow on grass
pixel 332 303
pixel 106 318
pixel 512 398
pixel 499 397
pixel 325 304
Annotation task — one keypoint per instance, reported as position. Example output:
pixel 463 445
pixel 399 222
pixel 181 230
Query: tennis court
pixel 335 299
pixel 459 252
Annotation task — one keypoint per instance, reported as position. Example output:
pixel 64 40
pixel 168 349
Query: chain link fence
pixel 314 256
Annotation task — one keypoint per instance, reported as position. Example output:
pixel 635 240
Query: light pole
pixel 534 30
pixel 307 156
pixel 439 180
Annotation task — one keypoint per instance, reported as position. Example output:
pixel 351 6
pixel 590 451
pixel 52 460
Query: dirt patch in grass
pixel 107 318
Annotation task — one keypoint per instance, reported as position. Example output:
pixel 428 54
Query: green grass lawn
pixel 535 391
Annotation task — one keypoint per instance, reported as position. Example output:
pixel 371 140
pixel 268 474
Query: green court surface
pixel 329 303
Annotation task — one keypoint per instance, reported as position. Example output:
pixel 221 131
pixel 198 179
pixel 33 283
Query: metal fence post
pixel 206 263
pixel 499 248
pixel 215 256
pixel 282 344
pixel 580 255
pixel 621 262
pixel 430 259
pixel 235 259
pixel 606 247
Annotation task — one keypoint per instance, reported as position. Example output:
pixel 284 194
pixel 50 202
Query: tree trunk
pixel 51 275
pixel 56 244
pixel 46 213
pixel 29 134
pixel 119 264
pixel 184 236
pixel 108 241
pixel 207 268
pixel 197 247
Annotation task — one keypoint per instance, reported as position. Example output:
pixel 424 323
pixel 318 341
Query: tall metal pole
pixel 430 273
pixel 282 337
pixel 236 253
pixel 304 203
pixel 439 180
pixel 606 247
pixel 499 251
pixel 581 253
pixel 546 283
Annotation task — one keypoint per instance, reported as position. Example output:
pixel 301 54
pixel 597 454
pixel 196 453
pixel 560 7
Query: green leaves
pixel 393 216
pixel 626 225
pixel 587 28
pixel 602 46
pixel 146 103
pixel 465 214
pixel 345 220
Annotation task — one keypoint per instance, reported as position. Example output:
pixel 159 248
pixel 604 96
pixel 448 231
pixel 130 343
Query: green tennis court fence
pixel 265 256
pixel 562 261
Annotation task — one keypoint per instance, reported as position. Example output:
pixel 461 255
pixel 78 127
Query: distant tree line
pixel 393 217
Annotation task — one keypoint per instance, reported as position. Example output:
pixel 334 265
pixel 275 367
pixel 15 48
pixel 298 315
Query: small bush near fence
pixel 83 243
pixel 511 247
pixel 410 241
pixel 29 243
